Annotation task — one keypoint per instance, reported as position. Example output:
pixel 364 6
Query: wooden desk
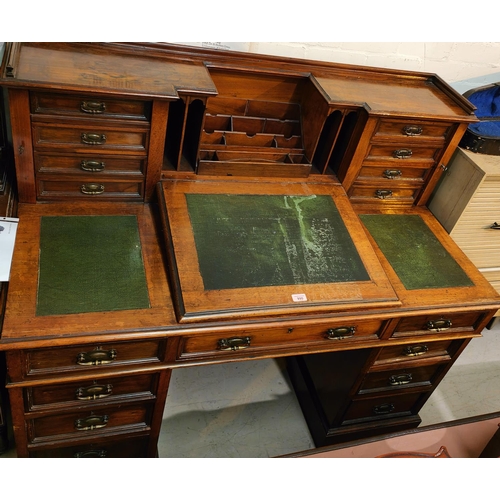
pixel 127 132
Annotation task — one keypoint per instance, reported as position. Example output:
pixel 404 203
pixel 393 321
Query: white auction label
pixel 299 297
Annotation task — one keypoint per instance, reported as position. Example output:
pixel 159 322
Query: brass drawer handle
pixel 91 423
pixel 403 154
pixel 415 350
pixel 93 107
pixel 384 409
pixel 495 226
pixel 91 454
pixel 93 139
pixel 92 165
pixel 402 379
pixel 93 392
pixel 233 344
pixel 392 174
pixel 92 189
pixel 439 326
pixel 412 130
pixel 343 332
pixel 382 194
pixel 96 357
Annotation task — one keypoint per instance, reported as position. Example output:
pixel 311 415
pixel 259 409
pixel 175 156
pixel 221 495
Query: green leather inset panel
pixel 270 240
pixel 416 255
pixel 90 264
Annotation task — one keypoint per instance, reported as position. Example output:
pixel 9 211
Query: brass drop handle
pixel 92 189
pixel 402 379
pixel 91 454
pixel 93 392
pixel 91 423
pixel 233 344
pixel 415 350
pixel 495 226
pixel 439 325
pixel 93 139
pixel 382 194
pixel 96 357
pixel 93 107
pixel 384 409
pixel 392 174
pixel 412 130
pixel 92 165
pixel 402 154
pixel 342 332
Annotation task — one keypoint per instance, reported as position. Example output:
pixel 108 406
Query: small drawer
pixel 84 424
pixel 443 349
pixel 85 164
pixel 93 357
pixel 81 137
pixel 430 324
pixel 246 342
pixel 401 154
pixel 382 194
pixel 109 389
pixel 105 448
pixel 97 189
pixel 400 378
pixel 387 406
pixel 418 130
pixel 393 175
pixel 89 106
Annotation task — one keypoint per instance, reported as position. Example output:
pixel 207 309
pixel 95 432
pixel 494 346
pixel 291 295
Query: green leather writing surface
pixel 271 240
pixel 90 264
pixel 416 255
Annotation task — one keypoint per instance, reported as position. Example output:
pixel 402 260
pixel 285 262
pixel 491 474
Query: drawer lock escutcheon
pixel 91 454
pixel 92 189
pixel 93 139
pixel 93 107
pixel 412 130
pixel 392 174
pixel 384 409
pixel 233 344
pixel 415 350
pixel 403 154
pixel 92 165
pixel 94 392
pixel 382 194
pixel 439 325
pixel 402 379
pixel 91 423
pixel 342 332
pixel 96 357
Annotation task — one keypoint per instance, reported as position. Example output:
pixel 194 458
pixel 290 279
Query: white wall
pixel 464 65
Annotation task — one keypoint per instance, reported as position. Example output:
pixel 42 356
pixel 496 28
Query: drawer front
pixel 380 195
pixel 93 357
pixel 415 352
pixel 106 448
pixel 97 189
pixel 84 424
pixel 401 154
pixel 89 164
pixel 431 324
pixel 390 176
pixel 279 338
pixel 416 130
pixel 109 389
pixel 400 378
pixel 83 137
pixel 89 106
pixel 387 406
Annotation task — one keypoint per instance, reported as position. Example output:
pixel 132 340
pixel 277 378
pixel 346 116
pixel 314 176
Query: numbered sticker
pixel 299 297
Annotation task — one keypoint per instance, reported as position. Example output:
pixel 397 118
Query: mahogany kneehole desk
pixel 190 207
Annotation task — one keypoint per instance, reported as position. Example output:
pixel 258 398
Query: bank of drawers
pixel 89 147
pixel 95 413
pixel 398 161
